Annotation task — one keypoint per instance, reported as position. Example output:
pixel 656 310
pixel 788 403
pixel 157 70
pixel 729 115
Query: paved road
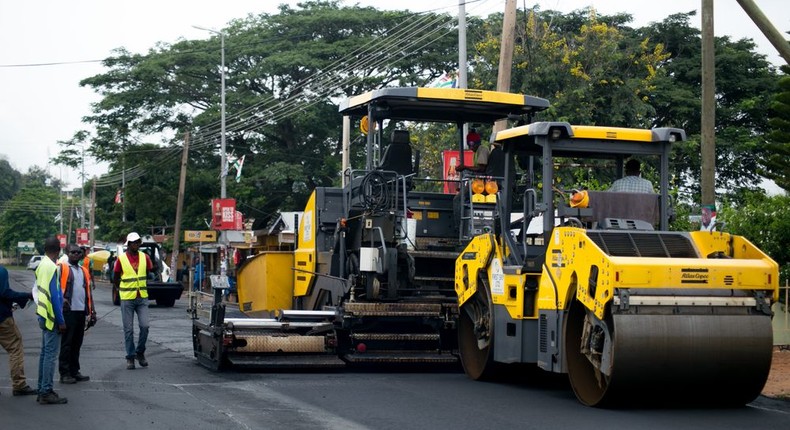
pixel 174 392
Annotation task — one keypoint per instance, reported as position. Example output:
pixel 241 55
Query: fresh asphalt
pixel 175 392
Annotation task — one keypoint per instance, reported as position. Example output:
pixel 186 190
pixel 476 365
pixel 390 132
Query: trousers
pixel 11 341
pixel 129 308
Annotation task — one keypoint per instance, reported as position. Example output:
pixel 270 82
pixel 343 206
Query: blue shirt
pixel 9 296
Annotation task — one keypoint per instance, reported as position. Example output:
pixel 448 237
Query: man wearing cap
pixel 480 160
pixel 130 280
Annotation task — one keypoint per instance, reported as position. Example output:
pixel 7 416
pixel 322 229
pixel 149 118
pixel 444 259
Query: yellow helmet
pixel 580 199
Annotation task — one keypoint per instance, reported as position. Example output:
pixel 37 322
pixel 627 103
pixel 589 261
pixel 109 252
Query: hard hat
pixel 580 199
pixel 132 237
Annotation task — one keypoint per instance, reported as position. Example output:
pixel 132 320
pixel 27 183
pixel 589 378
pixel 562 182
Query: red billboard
pixel 223 214
pixel 450 161
pixel 62 239
pixel 82 236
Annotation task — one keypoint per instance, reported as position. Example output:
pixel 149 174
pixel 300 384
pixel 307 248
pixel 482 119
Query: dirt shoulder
pixel 778 384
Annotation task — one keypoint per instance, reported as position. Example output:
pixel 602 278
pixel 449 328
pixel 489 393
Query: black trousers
pixel 71 342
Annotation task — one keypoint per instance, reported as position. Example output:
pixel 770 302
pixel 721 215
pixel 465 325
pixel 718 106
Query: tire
pixel 166 303
pixel 478 362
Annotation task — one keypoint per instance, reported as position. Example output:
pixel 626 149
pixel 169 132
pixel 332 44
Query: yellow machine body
pixel 633 314
pixel 266 283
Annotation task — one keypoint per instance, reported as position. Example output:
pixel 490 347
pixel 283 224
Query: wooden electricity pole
pixel 92 232
pixel 179 206
pixel 708 144
pixel 506 54
pixel 773 35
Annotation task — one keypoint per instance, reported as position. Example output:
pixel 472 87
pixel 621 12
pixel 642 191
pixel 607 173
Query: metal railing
pixel 781 320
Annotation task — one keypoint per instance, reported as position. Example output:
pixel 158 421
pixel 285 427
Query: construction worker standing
pixel 131 271
pixel 75 283
pixel 50 318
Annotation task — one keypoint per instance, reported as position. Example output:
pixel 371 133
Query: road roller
pixel 595 285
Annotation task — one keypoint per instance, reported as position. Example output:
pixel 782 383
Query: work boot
pixel 142 360
pixel 51 398
pixel 67 379
pixel 25 391
pixel 130 363
pixel 79 377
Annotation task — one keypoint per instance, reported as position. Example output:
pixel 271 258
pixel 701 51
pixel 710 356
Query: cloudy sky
pixel 48 46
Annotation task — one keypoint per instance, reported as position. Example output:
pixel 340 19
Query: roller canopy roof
pixel 441 104
pixel 579 141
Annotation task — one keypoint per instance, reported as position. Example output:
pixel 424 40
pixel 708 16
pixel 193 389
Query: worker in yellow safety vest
pixel 131 272
pixel 49 307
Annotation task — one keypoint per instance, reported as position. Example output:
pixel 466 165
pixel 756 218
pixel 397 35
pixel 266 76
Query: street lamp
pixel 222 170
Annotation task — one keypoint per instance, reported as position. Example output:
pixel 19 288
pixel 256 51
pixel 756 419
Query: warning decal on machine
pixel 497 277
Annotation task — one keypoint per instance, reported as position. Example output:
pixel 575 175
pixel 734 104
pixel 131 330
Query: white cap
pixel 132 237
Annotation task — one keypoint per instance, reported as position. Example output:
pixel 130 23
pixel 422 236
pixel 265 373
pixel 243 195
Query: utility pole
pixel 771 33
pixel 60 193
pixel 708 144
pixel 123 185
pixel 91 232
pixel 462 82
pixel 179 206
pixel 82 190
pixel 506 54
pixel 71 218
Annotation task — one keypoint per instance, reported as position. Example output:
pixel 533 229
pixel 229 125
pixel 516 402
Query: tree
pixel 584 64
pixel 745 83
pixel 29 216
pixel 285 74
pixel 10 180
pixel 777 151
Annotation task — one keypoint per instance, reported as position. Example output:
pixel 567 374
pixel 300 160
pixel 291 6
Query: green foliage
pixel 29 216
pixel 284 74
pixel 585 65
pixel 765 221
pixel 10 180
pixel 777 148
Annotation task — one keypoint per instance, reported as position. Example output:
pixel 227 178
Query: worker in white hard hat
pixel 130 280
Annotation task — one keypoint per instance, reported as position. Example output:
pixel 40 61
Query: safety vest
pixel 86 263
pixel 132 282
pixel 44 273
pixel 67 287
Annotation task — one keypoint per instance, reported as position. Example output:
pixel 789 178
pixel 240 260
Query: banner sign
pixel 82 236
pixel 26 246
pixel 450 161
pixel 200 236
pixel 223 214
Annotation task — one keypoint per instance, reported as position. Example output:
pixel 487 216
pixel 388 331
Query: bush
pixel 765 221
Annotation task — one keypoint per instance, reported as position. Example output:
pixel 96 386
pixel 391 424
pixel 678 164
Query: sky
pixel 41 105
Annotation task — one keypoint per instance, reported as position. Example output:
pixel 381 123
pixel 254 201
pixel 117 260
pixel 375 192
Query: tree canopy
pixel 286 72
